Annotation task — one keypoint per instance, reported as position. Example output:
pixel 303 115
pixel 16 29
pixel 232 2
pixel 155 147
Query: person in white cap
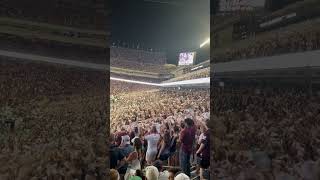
pixel 152 173
pixel 182 176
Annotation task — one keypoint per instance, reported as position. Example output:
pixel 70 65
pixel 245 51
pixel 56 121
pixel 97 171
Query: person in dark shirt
pixel 187 137
pixel 174 150
pixel 116 157
pixel 193 131
pixel 204 151
pixel 125 148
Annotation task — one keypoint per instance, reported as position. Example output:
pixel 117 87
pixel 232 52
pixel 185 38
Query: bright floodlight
pixel 204 43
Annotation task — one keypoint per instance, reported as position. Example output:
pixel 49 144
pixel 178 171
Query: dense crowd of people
pixel 265 133
pixel 52 121
pixel 294 38
pixel 159 134
pixel 25 80
pixel 270 132
pixel 126 87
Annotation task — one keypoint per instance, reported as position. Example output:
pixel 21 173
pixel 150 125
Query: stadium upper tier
pixel 141 56
pixel 298 37
pixel 53 48
pixel 156 68
pixel 138 60
pixel 202 73
pixel 84 14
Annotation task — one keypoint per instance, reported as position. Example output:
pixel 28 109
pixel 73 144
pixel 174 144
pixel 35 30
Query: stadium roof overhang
pixel 45 59
pixel 56 33
pixel 299 67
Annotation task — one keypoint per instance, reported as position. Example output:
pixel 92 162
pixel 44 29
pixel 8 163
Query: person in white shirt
pixel 152 140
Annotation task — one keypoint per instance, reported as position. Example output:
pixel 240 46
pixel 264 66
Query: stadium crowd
pixel 294 38
pixel 52 117
pixel 52 121
pixel 159 134
pixel 265 133
pixel 126 87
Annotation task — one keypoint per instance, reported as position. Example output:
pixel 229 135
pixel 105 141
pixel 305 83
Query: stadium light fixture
pixel 204 43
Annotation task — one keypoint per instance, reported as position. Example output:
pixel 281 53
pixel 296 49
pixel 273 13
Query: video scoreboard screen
pixel 186 58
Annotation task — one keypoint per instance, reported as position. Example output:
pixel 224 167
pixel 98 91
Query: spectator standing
pixel 187 137
pixel 152 145
pixel 204 150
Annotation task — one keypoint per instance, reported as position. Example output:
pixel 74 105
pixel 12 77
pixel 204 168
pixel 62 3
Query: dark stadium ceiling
pixel 161 24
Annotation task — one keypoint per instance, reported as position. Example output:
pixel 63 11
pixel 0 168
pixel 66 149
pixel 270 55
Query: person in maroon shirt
pixel 204 151
pixel 187 137
pixel 119 135
pixel 193 131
